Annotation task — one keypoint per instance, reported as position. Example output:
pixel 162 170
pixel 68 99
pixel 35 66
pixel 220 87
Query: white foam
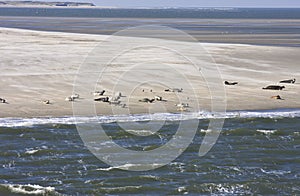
pixel 106 169
pixel 150 177
pixel 266 132
pixel 178 165
pixel 205 130
pixel 227 189
pixel 129 166
pixel 30 189
pixel 275 172
pixel 297 133
pixel 31 152
pixel 122 188
pixel 140 132
pixel 182 190
pixel 70 120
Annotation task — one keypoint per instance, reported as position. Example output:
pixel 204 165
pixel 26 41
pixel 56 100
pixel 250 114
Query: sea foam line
pixel 30 189
pixel 71 120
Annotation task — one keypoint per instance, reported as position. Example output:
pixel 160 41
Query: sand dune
pixel 37 66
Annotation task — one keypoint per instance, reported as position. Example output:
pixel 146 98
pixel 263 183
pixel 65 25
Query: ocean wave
pixel 266 132
pixel 31 152
pixel 129 166
pixel 182 190
pixel 120 189
pixel 275 172
pixel 28 189
pixel 71 120
pixel 226 189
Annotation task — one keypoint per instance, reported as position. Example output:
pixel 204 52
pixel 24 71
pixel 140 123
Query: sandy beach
pixel 37 66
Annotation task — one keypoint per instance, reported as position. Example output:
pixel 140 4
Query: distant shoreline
pixel 46 3
pixel 49 4
pixel 57 7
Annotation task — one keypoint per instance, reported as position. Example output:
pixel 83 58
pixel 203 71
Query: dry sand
pixel 37 66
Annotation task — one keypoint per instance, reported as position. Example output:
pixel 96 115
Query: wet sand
pixel 273 32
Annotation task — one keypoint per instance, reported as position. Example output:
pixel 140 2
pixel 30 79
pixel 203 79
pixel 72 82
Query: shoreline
pixel 12 122
pixel 216 31
pixel 107 35
pixel 50 60
pixel 58 7
pixel 270 110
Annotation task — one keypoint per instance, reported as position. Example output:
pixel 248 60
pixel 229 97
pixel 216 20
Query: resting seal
pixel 46 102
pixel 182 105
pixel 75 96
pixel 2 100
pixel 69 99
pixel 103 99
pixel 174 90
pixel 230 83
pixel 147 100
pixel 115 102
pixel 276 97
pixel 99 93
pixel 158 98
pixel 274 87
pixel 292 81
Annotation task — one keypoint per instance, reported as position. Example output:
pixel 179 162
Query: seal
pixel 75 96
pixel 147 100
pixel 2 100
pixel 276 97
pixel 274 87
pixel 158 98
pixel 99 93
pixel 115 102
pixel 183 105
pixel 46 102
pixel 103 99
pixel 69 99
pixel 174 90
pixel 230 83
pixel 110 99
pixel 177 90
pixel 292 81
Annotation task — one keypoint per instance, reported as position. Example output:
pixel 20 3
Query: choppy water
pixel 241 13
pixel 256 153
